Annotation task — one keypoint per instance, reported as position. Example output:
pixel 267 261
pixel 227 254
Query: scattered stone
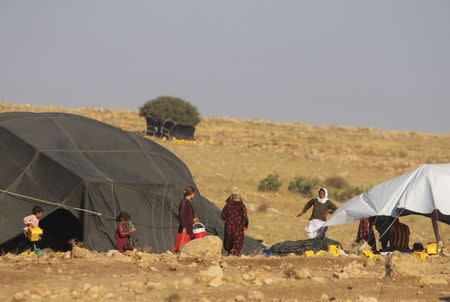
pixel 324 297
pixel 20 296
pixel 48 270
pixel 216 282
pixel 213 272
pixel 297 274
pixel 204 248
pixel 240 298
pixel 255 295
pixel 249 277
pixel 432 280
pixel 319 280
pixel 361 246
pixel 79 252
pixel 367 299
pixel 340 275
pixel 186 282
pixel 175 297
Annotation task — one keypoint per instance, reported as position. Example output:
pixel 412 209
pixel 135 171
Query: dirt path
pixel 146 277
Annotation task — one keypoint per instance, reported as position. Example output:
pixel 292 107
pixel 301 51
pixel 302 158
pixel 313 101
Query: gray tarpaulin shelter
pixel 424 191
pixel 91 171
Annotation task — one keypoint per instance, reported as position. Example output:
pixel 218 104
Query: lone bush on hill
pixel 303 186
pixel 337 182
pixel 347 194
pixel 171 108
pixel 271 183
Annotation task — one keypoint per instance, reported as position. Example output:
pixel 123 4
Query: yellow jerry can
pixel 334 250
pixel 35 233
pixel 420 255
pixel 308 253
pixel 368 254
pixel 432 248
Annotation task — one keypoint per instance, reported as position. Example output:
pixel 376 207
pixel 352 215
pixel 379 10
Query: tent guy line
pixel 50 203
pixel 59 205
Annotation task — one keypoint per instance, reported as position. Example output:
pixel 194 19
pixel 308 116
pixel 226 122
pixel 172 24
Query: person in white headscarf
pixel 322 207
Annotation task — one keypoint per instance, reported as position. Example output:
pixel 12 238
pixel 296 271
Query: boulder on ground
pixel 208 247
pixel 79 252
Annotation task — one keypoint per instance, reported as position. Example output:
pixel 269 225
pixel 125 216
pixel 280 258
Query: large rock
pixel 208 247
pixel 79 252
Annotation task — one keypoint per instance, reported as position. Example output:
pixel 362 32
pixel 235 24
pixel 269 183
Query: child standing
pixel 32 221
pixel 123 233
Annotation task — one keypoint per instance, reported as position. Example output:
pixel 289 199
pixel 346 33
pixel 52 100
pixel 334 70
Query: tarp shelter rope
pixel 59 205
pixel 50 203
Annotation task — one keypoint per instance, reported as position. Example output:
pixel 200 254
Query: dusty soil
pixel 146 277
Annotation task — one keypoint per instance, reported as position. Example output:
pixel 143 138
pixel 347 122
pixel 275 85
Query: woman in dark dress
pixel 235 215
pixel 186 212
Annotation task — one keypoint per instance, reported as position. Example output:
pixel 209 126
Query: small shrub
pixel 303 186
pixel 262 208
pixel 337 182
pixel 171 108
pixel 271 183
pixel 347 194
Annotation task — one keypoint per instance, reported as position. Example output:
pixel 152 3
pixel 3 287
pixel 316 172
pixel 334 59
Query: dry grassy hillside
pixel 234 152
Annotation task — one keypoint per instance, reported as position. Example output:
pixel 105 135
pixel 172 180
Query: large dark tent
pixel 83 173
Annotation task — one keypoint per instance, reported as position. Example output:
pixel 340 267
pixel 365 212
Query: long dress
pixel 186 217
pixel 122 237
pixel 235 215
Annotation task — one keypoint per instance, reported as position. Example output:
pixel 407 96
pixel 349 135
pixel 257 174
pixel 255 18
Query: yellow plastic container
pixel 321 252
pixel 368 254
pixel 308 253
pixel 35 233
pixel 334 250
pixel 421 255
pixel 431 248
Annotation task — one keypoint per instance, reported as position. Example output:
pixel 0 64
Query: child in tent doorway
pixel 124 233
pixel 32 221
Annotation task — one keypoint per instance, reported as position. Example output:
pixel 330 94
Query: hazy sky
pixel 377 63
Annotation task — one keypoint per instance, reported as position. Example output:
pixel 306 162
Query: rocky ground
pixel 200 274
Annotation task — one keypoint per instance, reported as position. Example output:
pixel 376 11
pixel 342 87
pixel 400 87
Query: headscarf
pixel 322 200
pixel 236 194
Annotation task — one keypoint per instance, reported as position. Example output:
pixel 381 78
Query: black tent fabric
pixel 77 162
pixel 300 246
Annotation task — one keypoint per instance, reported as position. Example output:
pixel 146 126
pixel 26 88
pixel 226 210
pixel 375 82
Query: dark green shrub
pixel 271 183
pixel 337 182
pixel 347 193
pixel 303 186
pixel 171 108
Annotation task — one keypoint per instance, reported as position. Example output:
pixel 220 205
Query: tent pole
pixel 435 223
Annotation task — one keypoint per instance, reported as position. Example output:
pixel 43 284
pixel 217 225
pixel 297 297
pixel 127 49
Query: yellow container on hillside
pixel 334 250
pixel 308 253
pixel 368 254
pixel 321 253
pixel 420 255
pixel 431 248
pixel 35 233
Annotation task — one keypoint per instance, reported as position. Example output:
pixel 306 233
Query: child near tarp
pixel 32 221
pixel 124 233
